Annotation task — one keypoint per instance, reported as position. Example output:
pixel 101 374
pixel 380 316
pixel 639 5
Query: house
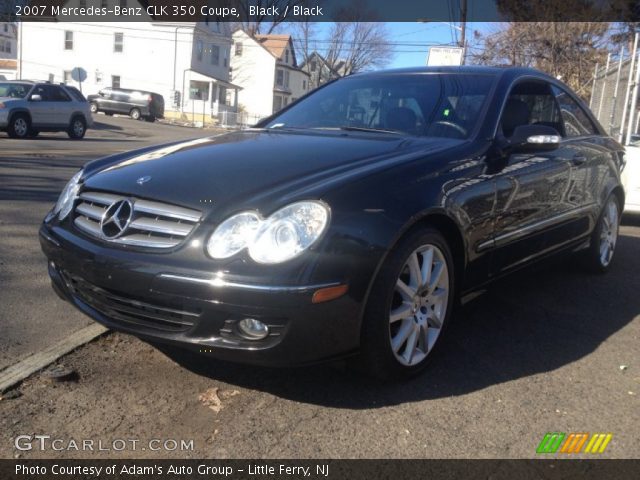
pixel 265 67
pixel 8 50
pixel 186 62
pixel 320 71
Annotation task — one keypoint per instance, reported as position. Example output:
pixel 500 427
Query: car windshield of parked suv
pixel 434 104
pixel 14 90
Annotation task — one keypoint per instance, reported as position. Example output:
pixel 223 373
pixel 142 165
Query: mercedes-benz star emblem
pixel 116 219
pixel 143 180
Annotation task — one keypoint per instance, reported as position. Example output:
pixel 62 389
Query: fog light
pixel 253 329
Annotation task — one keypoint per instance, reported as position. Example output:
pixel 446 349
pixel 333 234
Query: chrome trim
pixel 505 238
pixel 102 198
pixel 137 240
pixel 161 226
pixel 218 282
pixel 90 211
pixel 153 225
pixel 165 210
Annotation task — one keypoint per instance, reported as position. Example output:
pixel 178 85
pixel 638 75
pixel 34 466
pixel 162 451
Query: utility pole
pixel 463 28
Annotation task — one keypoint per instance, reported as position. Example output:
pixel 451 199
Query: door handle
pixel 579 159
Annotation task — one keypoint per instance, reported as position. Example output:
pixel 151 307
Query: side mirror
pixel 35 98
pixel 534 138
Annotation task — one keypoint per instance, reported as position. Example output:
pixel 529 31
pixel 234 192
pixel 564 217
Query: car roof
pixel 464 69
pixel 24 82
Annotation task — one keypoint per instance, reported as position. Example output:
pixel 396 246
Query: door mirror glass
pixel 35 98
pixel 534 138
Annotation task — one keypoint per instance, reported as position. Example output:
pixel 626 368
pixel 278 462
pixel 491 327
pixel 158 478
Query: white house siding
pixel 254 71
pixel 298 84
pixel 8 51
pixel 151 58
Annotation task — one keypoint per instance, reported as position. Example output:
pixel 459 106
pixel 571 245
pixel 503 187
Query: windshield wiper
pixel 369 129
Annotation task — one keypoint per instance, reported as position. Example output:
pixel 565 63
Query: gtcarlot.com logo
pixel 557 442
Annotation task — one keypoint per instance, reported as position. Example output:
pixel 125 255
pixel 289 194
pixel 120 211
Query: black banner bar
pixel 547 469
pixel 244 11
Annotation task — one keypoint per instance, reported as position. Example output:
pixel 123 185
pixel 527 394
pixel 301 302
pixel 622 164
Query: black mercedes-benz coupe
pixel 348 223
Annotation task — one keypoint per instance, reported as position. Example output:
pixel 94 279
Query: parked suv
pixel 138 104
pixel 28 108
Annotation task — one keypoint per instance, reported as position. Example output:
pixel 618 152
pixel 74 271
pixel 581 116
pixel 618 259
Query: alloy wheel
pixel 419 305
pixel 21 127
pixel 78 128
pixel 609 231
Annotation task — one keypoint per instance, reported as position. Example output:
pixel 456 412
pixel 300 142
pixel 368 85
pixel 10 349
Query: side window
pixel 530 103
pixel 57 94
pixel 42 91
pixel 576 121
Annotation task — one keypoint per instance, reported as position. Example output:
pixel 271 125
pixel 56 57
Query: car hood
pixel 243 169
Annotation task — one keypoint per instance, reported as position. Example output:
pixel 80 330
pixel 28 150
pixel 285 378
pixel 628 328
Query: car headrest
pixel 516 113
pixel 402 119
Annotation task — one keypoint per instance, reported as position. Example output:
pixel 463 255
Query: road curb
pixel 37 361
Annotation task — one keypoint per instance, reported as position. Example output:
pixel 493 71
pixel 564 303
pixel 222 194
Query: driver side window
pixel 530 103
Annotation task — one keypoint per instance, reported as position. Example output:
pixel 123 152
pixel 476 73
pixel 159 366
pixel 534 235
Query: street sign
pixel 439 56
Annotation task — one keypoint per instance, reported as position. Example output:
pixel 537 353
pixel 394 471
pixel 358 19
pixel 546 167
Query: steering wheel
pixel 445 123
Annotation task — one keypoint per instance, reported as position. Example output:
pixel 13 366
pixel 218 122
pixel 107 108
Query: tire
pixel 77 128
pixel 598 257
pixel 108 114
pixel 135 114
pixel 150 119
pixel 33 133
pixel 404 322
pixel 93 107
pixel 19 126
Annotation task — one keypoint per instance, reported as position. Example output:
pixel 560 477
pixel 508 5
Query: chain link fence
pixel 614 96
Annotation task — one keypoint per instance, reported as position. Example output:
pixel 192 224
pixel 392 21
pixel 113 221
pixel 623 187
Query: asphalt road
pixel 551 349
pixel 32 174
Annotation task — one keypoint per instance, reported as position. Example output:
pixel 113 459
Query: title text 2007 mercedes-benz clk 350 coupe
pixel 347 223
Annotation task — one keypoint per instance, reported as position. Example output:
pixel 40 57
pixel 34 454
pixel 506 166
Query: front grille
pixel 172 318
pixel 153 224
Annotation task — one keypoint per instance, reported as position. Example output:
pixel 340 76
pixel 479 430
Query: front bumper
pixel 134 293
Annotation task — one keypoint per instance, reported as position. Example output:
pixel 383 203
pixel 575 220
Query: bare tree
pixel 568 51
pixel 358 46
pixel 357 41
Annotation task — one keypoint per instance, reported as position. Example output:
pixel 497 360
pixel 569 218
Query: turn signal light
pixel 329 293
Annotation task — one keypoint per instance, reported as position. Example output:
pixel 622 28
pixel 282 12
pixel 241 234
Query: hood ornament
pixel 143 180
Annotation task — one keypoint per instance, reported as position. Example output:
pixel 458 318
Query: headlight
pixel 67 197
pixel 233 235
pixel 282 236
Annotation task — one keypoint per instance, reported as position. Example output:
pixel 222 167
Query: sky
pixel 412 39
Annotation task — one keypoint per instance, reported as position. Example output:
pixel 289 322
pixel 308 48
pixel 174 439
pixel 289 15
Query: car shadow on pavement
pixel 537 321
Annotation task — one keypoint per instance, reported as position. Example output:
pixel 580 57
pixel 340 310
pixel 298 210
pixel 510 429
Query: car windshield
pixel 14 90
pixel 433 104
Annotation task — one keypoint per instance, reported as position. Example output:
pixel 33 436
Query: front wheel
pixel 409 306
pixel 94 107
pixel 19 126
pixel 604 238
